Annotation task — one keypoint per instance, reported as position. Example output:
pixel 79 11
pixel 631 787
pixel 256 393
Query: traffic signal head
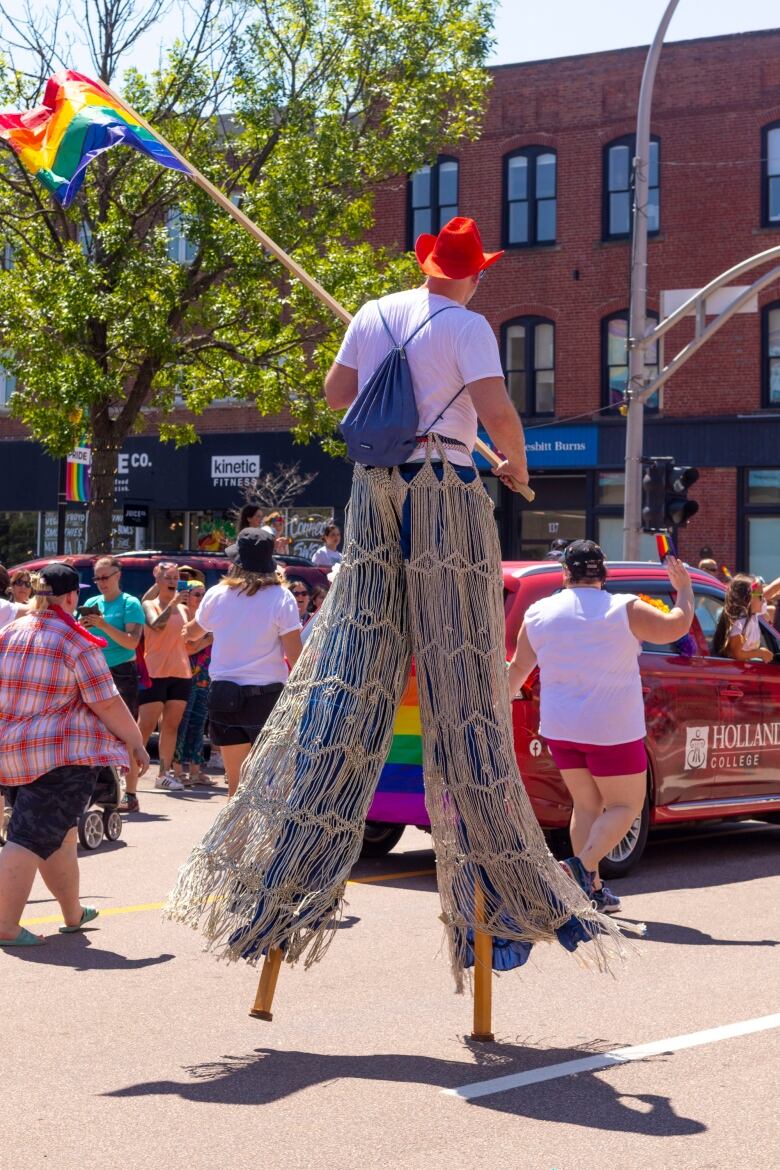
pixel 678 507
pixel 654 495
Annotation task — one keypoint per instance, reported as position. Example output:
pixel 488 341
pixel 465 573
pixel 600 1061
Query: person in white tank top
pixel 586 643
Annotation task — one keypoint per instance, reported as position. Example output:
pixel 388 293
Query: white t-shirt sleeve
pixel 738 628
pixel 477 351
pixel 287 616
pixel 348 351
pixel 206 609
pixel 8 611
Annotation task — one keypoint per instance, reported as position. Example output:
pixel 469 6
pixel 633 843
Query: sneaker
pixel 129 804
pixel 606 901
pixel 169 782
pixel 582 876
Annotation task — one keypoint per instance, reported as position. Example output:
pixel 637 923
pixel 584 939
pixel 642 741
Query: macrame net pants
pixel 421 575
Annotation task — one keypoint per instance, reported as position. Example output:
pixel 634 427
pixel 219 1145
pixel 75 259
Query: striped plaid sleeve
pixel 93 676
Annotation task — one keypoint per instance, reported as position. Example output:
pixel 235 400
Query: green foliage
pixel 326 98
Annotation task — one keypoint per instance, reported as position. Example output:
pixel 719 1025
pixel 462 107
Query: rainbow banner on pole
pixel 78 120
pixel 77 467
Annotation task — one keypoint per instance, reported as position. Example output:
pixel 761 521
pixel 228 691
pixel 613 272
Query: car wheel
pixel 379 837
pixel 627 852
pixel 91 829
pixel 771 818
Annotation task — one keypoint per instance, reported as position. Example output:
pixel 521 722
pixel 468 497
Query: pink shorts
pixel 614 759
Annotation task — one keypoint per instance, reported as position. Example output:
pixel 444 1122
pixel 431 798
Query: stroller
pixel 95 823
pixel 101 818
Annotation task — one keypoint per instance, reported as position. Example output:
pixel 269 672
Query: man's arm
pixel 341 386
pixel 502 423
pixel 128 638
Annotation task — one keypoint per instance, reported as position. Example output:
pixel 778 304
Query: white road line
pixel 601 1060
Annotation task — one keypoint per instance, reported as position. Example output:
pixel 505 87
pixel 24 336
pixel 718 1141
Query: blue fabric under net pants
pixel 421 576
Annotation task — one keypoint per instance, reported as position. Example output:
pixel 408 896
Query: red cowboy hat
pixel 456 252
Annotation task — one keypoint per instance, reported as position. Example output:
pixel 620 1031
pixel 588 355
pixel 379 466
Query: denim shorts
pixel 46 810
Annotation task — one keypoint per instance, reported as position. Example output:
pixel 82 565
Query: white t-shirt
pixel 750 629
pixel 456 348
pixel 8 611
pixel 591 690
pixel 327 557
pixel 247 631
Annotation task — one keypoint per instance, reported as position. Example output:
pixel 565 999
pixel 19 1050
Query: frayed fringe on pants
pixel 421 575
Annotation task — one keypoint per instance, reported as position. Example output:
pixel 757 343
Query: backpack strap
pixel 443 309
pixel 457 394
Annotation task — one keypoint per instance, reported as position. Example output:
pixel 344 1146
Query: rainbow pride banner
pixel 400 793
pixel 78 120
pixel 77 467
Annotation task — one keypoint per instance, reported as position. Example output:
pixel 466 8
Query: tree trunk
pixel 102 485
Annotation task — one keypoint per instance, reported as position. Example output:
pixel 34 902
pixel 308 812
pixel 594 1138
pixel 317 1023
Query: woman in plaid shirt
pixel 61 720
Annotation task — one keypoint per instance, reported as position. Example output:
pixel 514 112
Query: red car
pixel 713 725
pixel 137 568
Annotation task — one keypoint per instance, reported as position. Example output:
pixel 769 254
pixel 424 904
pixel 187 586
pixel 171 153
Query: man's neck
pixel 455 290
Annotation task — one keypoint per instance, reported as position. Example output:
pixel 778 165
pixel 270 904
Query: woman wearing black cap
pixel 255 624
pixel 586 642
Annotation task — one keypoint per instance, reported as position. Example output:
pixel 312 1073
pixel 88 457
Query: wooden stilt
pixel 261 1009
pixel 483 973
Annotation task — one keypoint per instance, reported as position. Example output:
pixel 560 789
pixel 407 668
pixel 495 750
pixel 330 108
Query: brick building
pixel 549 180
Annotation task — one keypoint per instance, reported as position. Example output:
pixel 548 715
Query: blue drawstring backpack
pixel 380 428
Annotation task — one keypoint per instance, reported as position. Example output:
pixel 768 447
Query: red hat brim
pixel 423 250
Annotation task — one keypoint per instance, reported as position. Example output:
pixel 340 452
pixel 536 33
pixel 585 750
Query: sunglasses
pixel 196 593
pixel 107 577
pixel 299 593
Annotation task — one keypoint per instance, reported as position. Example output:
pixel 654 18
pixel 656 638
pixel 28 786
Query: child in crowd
pixel 738 633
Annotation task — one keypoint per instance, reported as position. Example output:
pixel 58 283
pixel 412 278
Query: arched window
pixel 614 360
pixel 528 349
pixel 770 175
pixel 433 197
pixel 530 196
pixel 770 354
pixel 619 187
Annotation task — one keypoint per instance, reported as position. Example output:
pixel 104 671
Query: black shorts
pixel 165 690
pixel 247 716
pixel 45 811
pixel 125 676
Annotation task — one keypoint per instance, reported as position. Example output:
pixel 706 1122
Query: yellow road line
pixel 142 906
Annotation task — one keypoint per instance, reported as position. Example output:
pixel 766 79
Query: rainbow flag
pixel 77 476
pixel 78 120
pixel 403 769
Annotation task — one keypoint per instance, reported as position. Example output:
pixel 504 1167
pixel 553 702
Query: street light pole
pixel 637 318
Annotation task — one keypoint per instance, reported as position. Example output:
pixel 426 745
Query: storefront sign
pixel 562 446
pixel 304 527
pixel 136 515
pixel 234 470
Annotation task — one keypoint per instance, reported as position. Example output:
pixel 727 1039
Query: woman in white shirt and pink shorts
pixel 587 642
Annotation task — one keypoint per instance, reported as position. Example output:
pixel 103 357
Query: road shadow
pixel 267 1075
pixel 673 932
pixel 137 818
pixel 400 864
pixel 77 952
pixel 719 858
pixel 104 847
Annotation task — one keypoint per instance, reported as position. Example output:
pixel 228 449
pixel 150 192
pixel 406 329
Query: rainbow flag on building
pixel 78 120
pixel 77 467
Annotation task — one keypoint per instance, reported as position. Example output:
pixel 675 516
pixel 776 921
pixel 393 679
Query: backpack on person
pixel 380 428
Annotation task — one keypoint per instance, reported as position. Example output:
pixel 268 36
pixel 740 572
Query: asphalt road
pixel 127 1046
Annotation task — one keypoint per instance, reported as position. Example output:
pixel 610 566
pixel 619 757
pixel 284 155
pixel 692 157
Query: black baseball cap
pixel 585 560
pixel 253 550
pixel 59 579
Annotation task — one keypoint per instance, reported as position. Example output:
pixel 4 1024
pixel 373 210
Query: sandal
pixel 25 938
pixel 87 915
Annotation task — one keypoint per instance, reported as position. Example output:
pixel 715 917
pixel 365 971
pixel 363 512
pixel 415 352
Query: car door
pixel 738 733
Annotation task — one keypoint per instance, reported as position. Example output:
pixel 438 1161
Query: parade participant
pixel 738 632
pixel 188 757
pixel 274 523
pixel 587 642
pixel 250 516
pixel 328 555
pixel 20 588
pixel 120 620
pixel 168 666
pixel 421 574
pixel 255 625
pixel 61 720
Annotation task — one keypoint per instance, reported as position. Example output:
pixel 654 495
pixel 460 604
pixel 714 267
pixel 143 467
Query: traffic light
pixel 678 507
pixel 654 480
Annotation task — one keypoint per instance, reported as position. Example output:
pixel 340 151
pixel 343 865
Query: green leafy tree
pixel 297 108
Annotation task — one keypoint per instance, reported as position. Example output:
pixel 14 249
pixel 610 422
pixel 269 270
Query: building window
pixel 614 360
pixel 529 364
pixel 619 188
pixel 433 198
pixel 762 521
pixel 770 354
pixel 770 175
pixel 7 386
pixel 180 249
pixel 530 202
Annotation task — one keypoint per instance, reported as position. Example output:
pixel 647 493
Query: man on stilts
pixel 420 576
